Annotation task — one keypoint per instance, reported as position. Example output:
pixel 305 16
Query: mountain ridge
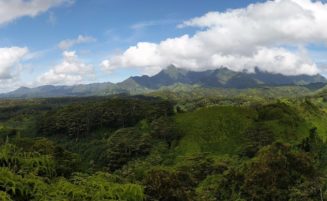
pixel 224 78
pixel 216 78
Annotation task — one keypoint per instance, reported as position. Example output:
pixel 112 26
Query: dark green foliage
pixel 165 129
pixel 79 120
pixel 164 185
pixel 279 111
pixel 278 173
pixel 65 162
pixel 316 147
pixel 199 167
pixel 284 120
pixel 100 186
pixel 26 162
pixel 20 172
pixel 222 187
pixel 135 148
pixel 124 145
pixel 31 176
pixel 21 110
pixel 275 170
pixel 215 130
pixel 255 138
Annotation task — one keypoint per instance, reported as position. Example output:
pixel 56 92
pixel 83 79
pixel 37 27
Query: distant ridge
pixel 218 78
pixel 223 78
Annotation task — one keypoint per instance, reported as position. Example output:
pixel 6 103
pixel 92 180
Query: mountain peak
pixel 174 72
pixel 171 67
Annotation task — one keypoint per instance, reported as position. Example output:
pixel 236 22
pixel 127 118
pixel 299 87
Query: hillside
pixel 139 148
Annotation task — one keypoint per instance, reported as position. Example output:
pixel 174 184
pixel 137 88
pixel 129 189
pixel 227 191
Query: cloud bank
pixel 9 60
pixel 14 9
pixel 270 35
pixel 69 72
pixel 10 66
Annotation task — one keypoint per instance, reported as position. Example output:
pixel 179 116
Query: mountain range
pixel 169 77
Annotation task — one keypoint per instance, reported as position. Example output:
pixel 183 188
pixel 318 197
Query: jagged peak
pixel 174 71
pixel 171 66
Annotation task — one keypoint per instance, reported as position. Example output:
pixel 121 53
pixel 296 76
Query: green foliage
pixel 160 156
pixel 26 162
pixel 278 173
pixel 30 176
pixel 165 129
pixel 255 138
pixel 275 170
pixel 213 148
pixel 18 187
pixel 100 186
pixel 4 196
pixel 123 146
pixel 279 111
pixel 213 129
pixel 201 166
pixel 284 120
pixel 221 187
pixel 21 172
pixel 65 162
pixel 79 120
pixel 164 185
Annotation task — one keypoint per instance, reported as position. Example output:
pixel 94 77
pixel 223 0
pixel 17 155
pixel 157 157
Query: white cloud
pixel 106 66
pixel 71 71
pixel 66 44
pixel 9 60
pixel 10 67
pixel 239 39
pixel 14 9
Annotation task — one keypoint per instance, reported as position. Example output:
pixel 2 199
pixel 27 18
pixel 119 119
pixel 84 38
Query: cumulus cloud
pixel 270 35
pixel 14 9
pixel 66 44
pixel 106 65
pixel 10 66
pixel 71 71
pixel 9 60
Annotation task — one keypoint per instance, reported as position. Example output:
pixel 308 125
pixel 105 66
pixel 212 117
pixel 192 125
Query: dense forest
pixel 164 147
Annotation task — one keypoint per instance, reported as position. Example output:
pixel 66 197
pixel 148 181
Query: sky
pixel 68 42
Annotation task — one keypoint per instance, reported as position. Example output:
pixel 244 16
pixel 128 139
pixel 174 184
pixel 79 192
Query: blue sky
pixel 101 39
